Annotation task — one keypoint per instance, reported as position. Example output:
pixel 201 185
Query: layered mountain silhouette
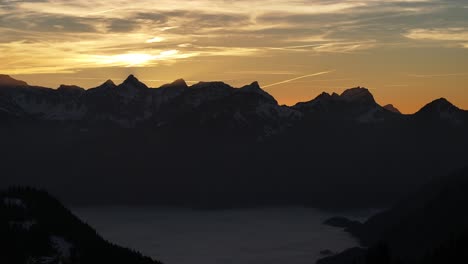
pixel 132 103
pixel 210 144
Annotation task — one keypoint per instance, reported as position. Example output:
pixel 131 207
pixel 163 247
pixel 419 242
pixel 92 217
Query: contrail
pixel 297 78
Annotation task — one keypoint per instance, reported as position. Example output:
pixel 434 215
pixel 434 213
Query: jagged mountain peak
pixel 392 108
pixel 358 94
pixel 6 80
pixel 133 82
pixel 254 87
pixel 323 95
pixel 109 83
pixel 179 83
pixel 130 78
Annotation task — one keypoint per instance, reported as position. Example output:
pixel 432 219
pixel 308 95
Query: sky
pixel 407 52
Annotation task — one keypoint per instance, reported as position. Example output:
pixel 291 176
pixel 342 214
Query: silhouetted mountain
pixel 7 81
pixel 211 144
pixel 442 110
pixel 36 228
pixel 177 84
pixel 430 225
pixel 358 95
pixel 392 108
pixel 355 104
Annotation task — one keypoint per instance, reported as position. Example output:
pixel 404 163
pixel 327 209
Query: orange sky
pixel 407 52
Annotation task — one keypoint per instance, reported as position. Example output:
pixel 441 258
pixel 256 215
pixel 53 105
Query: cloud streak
pixel 92 33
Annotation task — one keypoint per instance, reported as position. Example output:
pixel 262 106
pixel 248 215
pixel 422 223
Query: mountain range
pixel 213 145
pixel 132 103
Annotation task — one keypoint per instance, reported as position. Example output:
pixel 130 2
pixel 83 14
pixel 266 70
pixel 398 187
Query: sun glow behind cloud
pixel 136 59
pixel 134 33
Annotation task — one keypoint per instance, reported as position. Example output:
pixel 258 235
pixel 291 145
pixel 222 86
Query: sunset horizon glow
pixel 407 52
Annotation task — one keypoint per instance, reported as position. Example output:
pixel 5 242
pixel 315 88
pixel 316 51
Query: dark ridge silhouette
pixel 430 226
pixel 177 84
pixel 392 108
pixel 133 82
pixel 37 228
pixel 109 84
pixel 213 145
pixel 358 95
pixel 6 80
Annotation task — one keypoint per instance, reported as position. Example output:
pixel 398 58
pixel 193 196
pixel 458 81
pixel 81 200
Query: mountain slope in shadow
pixel 36 228
pixel 430 226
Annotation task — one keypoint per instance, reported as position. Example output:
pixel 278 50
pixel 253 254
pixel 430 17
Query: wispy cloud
pixel 438 75
pixel 120 33
pixel 455 34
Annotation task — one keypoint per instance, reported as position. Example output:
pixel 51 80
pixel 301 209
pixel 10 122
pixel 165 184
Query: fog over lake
pixel 247 236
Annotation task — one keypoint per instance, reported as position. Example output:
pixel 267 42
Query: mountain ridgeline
pixel 212 145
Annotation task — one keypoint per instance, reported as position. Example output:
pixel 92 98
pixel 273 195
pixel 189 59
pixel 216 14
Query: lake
pixel 240 236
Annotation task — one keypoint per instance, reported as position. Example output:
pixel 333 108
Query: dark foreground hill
pixel 213 145
pixel 36 228
pixel 430 226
